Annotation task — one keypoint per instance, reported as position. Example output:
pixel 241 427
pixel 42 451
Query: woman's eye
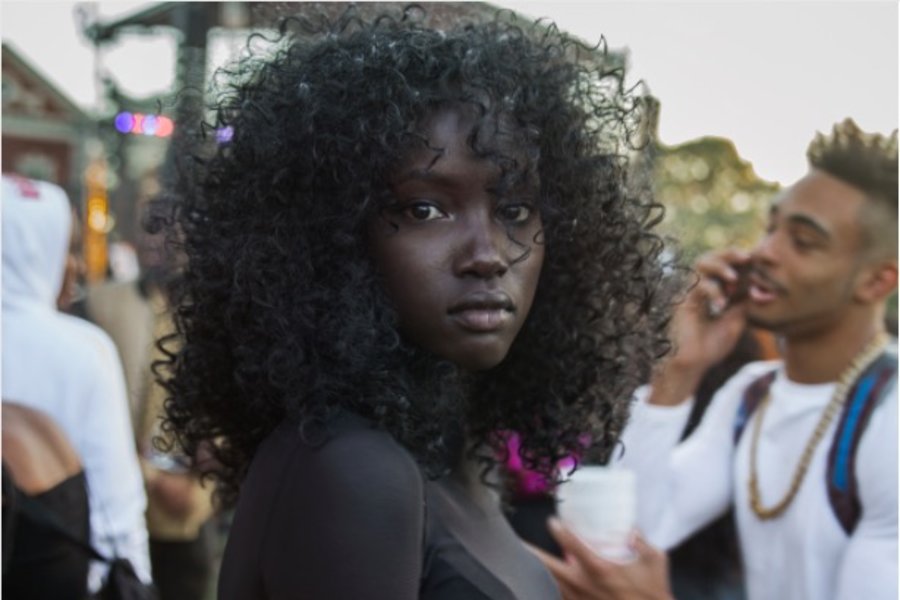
pixel 515 213
pixel 423 211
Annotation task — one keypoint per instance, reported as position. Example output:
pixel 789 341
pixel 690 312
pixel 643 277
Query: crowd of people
pixel 416 273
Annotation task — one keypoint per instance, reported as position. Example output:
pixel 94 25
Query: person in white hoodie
pixel 69 368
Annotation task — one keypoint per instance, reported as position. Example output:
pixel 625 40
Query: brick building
pixel 43 131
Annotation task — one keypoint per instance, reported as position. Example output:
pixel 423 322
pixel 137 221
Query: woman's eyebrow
pixel 427 175
pixel 414 174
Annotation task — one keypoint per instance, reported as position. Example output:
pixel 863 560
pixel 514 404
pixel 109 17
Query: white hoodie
pixel 69 369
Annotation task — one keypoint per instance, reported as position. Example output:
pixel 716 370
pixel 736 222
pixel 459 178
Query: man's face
pixel 459 264
pixel 807 264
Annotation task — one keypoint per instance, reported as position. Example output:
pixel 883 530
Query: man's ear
pixel 877 281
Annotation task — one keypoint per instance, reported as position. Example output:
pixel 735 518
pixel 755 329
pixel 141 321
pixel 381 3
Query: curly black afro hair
pixel 279 310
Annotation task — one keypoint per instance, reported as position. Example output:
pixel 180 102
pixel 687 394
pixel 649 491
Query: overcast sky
pixel 765 74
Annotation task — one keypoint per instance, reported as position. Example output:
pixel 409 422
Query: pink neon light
pixel 138 126
pixel 164 127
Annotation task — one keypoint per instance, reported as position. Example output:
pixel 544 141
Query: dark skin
pixel 459 263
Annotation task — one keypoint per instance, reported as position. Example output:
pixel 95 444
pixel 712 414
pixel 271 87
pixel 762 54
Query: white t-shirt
pixel 803 554
pixel 647 441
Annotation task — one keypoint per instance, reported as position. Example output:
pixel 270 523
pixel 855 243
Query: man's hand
pixel 584 575
pixel 174 492
pixel 707 325
pixel 704 329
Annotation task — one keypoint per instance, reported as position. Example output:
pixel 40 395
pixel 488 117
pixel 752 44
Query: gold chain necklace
pixel 859 364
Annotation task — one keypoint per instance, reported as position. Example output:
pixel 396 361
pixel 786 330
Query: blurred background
pixel 735 91
pixel 738 90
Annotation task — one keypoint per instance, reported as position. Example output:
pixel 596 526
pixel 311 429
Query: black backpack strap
pixel 38 513
pixel 866 394
pixel 753 395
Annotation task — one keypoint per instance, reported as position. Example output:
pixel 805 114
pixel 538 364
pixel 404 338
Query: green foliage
pixel 713 199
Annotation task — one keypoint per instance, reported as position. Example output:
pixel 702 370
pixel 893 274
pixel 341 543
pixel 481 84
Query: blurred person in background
pixel 43 481
pixel 128 309
pixel 69 369
pixel 71 294
pixel 135 314
pixel 805 448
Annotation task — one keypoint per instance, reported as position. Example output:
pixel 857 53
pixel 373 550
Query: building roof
pixel 53 101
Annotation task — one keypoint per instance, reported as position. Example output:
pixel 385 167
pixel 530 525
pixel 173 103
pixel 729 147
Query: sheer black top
pixel 354 518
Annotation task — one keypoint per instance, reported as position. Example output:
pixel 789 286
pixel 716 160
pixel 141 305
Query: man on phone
pixel 805 448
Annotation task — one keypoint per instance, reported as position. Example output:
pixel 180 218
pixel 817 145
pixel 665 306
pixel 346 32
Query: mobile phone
pixel 741 288
pixel 736 291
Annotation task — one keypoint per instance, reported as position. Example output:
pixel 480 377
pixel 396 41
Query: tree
pixel 713 198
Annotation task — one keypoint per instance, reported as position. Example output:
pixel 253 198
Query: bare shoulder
pixel 35 449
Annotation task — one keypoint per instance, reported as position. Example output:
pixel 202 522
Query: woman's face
pixel 459 263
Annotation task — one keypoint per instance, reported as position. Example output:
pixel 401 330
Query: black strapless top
pixel 39 562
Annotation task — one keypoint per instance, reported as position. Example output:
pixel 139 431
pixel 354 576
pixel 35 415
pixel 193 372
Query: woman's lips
pixel 483 311
pixel 482 320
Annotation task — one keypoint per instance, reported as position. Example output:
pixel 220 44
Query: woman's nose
pixel 483 251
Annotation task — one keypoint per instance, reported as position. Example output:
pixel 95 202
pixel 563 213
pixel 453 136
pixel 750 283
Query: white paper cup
pixel 599 505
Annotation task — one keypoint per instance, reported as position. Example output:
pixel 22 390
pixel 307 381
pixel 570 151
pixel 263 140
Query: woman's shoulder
pixel 299 488
pixel 348 457
pixel 346 440
pixel 309 502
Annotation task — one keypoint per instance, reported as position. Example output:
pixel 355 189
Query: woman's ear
pixel 877 281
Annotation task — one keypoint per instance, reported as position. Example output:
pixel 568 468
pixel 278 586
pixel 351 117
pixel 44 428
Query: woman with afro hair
pixel 413 242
